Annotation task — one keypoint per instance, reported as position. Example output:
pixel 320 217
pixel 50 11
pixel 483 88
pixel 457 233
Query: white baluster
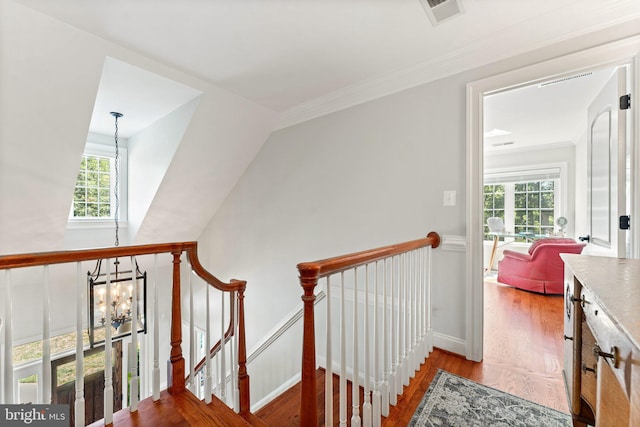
pixel 410 319
pixel 343 356
pixel 108 369
pixel 133 354
pixel 401 282
pixel 427 303
pixel 393 350
pixel 328 383
pixel 223 358
pixel 415 320
pixel 46 339
pixel 192 384
pixel 386 367
pixel 207 349
pixel 421 307
pixel 366 405
pixel 355 384
pixel 79 414
pixel 8 341
pixel 234 354
pixel 423 298
pixel 377 348
pixel 406 364
pixel 156 334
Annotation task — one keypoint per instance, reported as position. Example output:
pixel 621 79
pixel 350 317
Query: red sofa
pixel 541 270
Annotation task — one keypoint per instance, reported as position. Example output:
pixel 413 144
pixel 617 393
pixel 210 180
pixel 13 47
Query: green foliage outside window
pixel 534 204
pixel 92 194
pixel 533 207
pixel 493 205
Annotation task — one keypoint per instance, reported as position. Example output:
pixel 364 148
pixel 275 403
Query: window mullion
pixel 509 207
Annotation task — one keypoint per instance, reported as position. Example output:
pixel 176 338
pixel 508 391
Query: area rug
pixel 455 401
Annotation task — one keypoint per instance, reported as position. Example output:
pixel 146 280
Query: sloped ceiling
pixel 49 80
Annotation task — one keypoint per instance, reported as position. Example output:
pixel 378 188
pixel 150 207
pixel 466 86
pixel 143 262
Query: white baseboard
pixel 276 392
pixel 448 343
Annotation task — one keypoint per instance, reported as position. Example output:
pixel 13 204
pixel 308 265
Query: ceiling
pixel 547 113
pixel 287 55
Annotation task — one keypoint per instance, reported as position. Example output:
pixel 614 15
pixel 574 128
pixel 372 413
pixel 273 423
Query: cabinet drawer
pixel 613 344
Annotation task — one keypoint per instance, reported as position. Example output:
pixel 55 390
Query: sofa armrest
pixel 517 255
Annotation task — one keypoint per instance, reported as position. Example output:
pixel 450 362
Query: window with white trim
pixel 93 196
pixel 527 201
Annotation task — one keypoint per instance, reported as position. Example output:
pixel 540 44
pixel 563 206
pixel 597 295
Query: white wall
pixel 366 176
pixel 337 184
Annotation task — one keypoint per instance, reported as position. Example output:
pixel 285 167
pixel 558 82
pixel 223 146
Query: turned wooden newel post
pixel 243 377
pixel 176 384
pixel 308 401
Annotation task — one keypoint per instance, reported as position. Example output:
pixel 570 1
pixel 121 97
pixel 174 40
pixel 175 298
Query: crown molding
pixel 484 52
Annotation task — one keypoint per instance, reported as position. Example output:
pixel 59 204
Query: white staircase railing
pixel 381 298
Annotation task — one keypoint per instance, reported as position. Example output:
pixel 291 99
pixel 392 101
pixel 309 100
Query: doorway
pixel 63 386
pixel 535 149
pixel 611 55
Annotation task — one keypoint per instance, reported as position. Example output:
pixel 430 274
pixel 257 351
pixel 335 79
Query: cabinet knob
pixel 568 338
pixel 614 355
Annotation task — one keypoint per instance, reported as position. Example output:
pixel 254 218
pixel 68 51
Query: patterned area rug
pixel 455 401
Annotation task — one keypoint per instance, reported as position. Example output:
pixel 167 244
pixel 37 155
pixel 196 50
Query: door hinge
pixel 625 222
pixel 625 102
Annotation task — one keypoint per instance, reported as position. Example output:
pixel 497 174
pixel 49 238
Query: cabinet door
pixel 572 341
pixel 613 404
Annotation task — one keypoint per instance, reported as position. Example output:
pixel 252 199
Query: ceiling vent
pixel 564 79
pixel 502 144
pixel 440 10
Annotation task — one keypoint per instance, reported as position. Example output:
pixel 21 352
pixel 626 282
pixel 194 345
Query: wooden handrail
pixel 62 257
pixel 337 264
pixel 309 273
pixel 177 383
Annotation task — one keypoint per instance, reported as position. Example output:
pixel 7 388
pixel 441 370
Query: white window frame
pixel 99 145
pixel 559 194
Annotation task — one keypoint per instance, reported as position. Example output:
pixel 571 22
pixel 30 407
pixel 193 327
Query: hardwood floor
pixel 182 409
pixel 523 354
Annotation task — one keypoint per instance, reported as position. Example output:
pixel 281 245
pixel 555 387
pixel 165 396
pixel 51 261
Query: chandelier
pixel 118 315
pixel 127 288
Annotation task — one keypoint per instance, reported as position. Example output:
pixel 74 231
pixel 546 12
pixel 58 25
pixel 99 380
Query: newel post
pixel 176 382
pixel 243 377
pixel 308 401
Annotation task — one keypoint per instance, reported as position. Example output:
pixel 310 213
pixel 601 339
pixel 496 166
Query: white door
pixel 607 171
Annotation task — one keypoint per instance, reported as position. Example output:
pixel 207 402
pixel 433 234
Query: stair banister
pixel 309 274
pixel 177 362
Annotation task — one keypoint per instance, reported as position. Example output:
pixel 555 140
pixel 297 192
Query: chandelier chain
pixel 116 187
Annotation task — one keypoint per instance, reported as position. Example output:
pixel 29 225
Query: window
pixel 534 206
pixel 93 196
pixel 527 201
pixel 493 204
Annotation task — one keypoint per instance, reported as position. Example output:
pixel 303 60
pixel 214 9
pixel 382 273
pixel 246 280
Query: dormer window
pixel 93 197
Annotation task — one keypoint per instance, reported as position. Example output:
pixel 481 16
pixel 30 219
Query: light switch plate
pixel 449 198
